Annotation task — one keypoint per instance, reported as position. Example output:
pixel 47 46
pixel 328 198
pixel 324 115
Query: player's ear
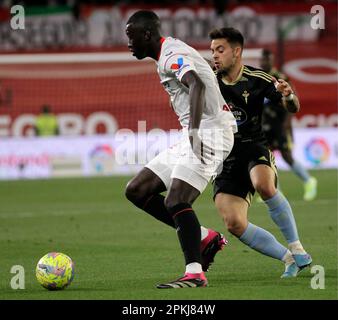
pixel 238 51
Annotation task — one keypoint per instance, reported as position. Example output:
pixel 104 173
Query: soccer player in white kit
pixel 184 169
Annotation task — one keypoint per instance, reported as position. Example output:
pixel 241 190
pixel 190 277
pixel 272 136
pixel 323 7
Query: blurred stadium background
pixel 72 56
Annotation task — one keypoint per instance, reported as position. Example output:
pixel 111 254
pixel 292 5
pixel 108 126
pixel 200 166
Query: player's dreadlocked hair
pixel 146 19
pixel 232 35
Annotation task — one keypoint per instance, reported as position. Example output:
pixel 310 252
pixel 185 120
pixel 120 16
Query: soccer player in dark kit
pixel 250 166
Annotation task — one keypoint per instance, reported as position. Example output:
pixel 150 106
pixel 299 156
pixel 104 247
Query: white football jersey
pixel 176 58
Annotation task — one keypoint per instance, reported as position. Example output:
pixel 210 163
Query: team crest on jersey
pixel 246 94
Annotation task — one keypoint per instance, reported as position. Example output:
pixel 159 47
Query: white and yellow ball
pixel 55 271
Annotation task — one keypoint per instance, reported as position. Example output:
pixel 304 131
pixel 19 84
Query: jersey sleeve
pixel 177 64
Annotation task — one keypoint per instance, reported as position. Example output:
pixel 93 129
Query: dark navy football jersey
pixel 245 98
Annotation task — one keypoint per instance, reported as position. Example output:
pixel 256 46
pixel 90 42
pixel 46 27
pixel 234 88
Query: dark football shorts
pixel 235 178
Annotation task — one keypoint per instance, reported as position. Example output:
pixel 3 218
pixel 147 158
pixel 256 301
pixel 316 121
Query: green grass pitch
pixel 121 253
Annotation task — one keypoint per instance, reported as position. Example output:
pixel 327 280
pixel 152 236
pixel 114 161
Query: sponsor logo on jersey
pixel 178 65
pixel 239 114
pixel 180 70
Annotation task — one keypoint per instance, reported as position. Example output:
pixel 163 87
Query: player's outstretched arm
pixel 290 100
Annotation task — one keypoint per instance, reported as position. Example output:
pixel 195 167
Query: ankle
pixel 296 247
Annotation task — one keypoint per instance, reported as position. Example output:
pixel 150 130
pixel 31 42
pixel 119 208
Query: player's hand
pixel 202 151
pixel 282 86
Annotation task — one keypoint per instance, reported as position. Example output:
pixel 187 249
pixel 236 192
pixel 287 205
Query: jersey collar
pixel 236 80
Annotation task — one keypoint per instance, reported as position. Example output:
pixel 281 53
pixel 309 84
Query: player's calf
pixel 145 194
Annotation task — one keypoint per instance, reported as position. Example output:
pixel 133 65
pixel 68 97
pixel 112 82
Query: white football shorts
pixel 180 162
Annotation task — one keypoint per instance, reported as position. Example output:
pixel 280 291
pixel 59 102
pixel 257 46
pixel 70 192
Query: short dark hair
pixel 145 18
pixel 232 35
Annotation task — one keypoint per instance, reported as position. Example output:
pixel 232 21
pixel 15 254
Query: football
pixel 55 271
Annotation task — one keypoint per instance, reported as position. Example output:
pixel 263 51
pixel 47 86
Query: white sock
pixel 288 258
pixel 193 267
pixel 204 233
pixel 296 247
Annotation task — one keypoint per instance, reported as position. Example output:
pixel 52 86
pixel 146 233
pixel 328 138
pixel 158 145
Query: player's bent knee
pixel 235 226
pixel 134 192
pixel 129 192
pixel 266 191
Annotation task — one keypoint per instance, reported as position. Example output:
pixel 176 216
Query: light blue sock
pixel 300 171
pixel 263 242
pixel 281 213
